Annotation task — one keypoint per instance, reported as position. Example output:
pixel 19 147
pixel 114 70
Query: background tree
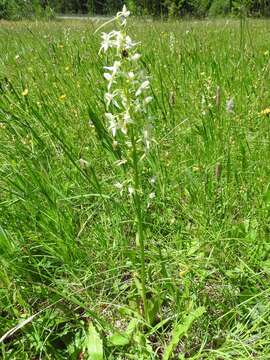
pixel 15 9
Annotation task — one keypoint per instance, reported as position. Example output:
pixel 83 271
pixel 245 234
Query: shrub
pixel 19 9
pixel 219 8
pixel 200 8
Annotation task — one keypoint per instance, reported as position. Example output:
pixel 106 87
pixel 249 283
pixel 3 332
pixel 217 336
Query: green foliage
pixel 219 8
pixel 93 343
pixel 200 8
pixel 173 7
pixel 19 9
pixel 16 9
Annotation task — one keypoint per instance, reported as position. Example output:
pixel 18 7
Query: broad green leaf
pixel 94 346
pixel 180 330
pixel 118 339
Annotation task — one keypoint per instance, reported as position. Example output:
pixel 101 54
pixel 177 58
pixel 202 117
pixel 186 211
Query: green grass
pixel 67 240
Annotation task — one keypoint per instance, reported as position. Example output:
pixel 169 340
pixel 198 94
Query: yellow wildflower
pixel 25 92
pixel 196 168
pixel 62 97
pixel 265 111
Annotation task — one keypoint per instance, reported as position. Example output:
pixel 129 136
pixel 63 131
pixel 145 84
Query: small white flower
pixel 147 100
pixel 129 44
pixel 119 186
pixel 108 76
pixel 119 40
pixel 131 75
pixel 153 180
pixel 90 123
pixel 114 69
pixel 135 57
pixel 126 120
pixel 129 144
pixel 113 125
pixel 230 105
pixel 106 42
pixel 110 98
pixel 152 195
pixel 131 190
pixel 144 86
pixel 83 163
pixel 123 15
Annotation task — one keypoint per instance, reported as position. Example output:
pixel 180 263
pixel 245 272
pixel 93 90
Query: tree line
pixel 159 8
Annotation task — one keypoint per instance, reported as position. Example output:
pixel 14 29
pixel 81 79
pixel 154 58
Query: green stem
pixel 137 203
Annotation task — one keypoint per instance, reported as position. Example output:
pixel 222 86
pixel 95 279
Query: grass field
pixel 71 267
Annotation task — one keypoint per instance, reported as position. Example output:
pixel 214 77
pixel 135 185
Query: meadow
pixel 70 262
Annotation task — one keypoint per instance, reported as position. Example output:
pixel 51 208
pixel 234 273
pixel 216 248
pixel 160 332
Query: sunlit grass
pixel 67 240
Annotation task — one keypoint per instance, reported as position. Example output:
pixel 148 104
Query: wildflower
pixel 83 163
pixel 265 111
pixel 112 123
pixel 130 75
pixel 114 69
pixel 129 43
pixel 106 42
pixel 131 190
pixel 62 97
pixel 91 124
pixel 127 87
pixel 152 195
pixel 153 180
pixel 147 100
pixel 135 57
pixel 119 186
pixel 25 92
pixel 230 105
pixel 119 41
pixel 123 15
pixel 110 98
pixel 125 121
pixel 144 86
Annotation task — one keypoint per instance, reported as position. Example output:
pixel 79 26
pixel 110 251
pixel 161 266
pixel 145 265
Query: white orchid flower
pixel 144 86
pixel 123 15
pixel 113 124
pixel 110 98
